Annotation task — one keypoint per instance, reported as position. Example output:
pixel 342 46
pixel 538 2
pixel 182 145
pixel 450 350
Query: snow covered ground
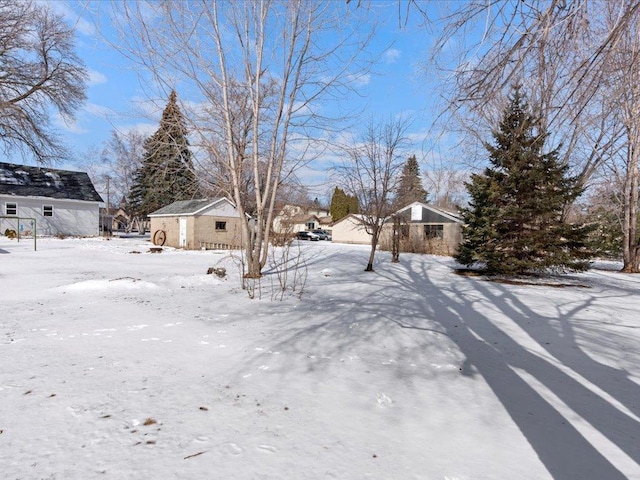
pixel 124 365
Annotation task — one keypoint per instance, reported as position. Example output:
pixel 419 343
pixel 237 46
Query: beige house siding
pixel 415 220
pixel 416 241
pixel 350 230
pixel 201 232
pixel 204 232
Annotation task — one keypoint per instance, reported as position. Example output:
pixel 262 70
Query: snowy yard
pixel 125 365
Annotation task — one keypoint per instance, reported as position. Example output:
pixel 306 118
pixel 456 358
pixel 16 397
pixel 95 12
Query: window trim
pixel 223 224
pixel 434 231
pixel 11 205
pixel 44 210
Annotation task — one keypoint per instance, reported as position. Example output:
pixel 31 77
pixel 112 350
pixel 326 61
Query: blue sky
pixel 397 85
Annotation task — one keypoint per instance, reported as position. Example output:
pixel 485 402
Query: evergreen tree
pixel 166 174
pixel 342 204
pixel 514 223
pixel 410 188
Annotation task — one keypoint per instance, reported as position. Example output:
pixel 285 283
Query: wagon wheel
pixel 159 237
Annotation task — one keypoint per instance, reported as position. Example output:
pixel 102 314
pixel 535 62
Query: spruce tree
pixel 514 223
pixel 342 204
pixel 410 188
pixel 166 174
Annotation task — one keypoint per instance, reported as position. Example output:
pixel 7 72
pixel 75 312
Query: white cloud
pixel 68 125
pixel 146 129
pixel 98 110
pixel 95 77
pixel 392 55
pixel 359 80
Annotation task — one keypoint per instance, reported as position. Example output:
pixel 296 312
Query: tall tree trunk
pixel 630 247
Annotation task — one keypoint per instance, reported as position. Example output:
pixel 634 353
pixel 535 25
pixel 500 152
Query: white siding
pixel 221 209
pixel 349 230
pixel 70 217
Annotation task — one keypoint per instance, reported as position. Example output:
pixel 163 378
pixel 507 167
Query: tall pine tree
pixel 166 174
pixel 514 223
pixel 342 204
pixel 410 188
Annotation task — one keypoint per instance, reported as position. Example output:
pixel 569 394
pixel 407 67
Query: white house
pixel 52 201
pixel 294 218
pixel 350 229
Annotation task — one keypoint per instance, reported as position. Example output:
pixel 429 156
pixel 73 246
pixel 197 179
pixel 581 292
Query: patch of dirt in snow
pixel 555 281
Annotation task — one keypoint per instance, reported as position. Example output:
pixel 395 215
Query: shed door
pixel 182 238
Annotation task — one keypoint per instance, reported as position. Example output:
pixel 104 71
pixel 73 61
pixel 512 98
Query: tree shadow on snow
pixel 456 311
pixel 565 452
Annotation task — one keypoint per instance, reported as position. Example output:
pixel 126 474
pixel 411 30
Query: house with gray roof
pixel 424 228
pixel 421 228
pixel 56 202
pixel 197 224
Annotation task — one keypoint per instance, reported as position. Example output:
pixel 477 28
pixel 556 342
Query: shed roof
pixel 188 207
pixel 26 181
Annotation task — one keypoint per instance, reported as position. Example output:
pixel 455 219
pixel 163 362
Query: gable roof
pixel 25 181
pixel 189 207
pixel 430 214
pixel 355 217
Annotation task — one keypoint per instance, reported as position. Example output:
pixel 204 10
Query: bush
pixel 278 239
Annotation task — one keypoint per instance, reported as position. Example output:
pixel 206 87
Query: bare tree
pixel 39 69
pixel 557 50
pixel 445 182
pixel 370 173
pixel 121 157
pixel 624 94
pixel 260 70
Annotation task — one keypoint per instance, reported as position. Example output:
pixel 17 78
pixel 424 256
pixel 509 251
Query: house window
pixel 11 208
pixel 434 231
pixel 221 225
pixel 47 210
pixel 311 225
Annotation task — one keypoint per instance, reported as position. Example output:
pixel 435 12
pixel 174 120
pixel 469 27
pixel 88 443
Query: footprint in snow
pixel 133 328
pixel 267 448
pixel 383 400
pixel 231 449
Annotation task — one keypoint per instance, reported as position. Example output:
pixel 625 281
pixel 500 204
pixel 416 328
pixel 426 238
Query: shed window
pixel 434 231
pixel 47 210
pixel 221 225
pixel 11 208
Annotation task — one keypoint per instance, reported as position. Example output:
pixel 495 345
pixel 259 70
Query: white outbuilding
pixel 53 201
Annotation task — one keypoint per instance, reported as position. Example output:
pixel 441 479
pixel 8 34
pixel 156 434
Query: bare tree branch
pixel 38 69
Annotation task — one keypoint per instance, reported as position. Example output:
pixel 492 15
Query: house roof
pixel 188 207
pixel 25 181
pixel 356 217
pixel 430 214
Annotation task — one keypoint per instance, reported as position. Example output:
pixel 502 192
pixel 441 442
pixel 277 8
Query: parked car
pixel 307 236
pixel 322 234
